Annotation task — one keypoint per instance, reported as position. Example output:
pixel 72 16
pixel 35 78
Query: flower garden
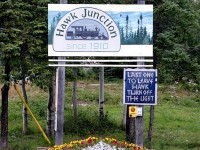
pixel 91 141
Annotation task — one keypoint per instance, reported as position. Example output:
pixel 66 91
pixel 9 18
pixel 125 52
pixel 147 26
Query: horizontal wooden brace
pixel 99 65
pixel 103 60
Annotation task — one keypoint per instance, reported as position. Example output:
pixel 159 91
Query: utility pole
pixel 60 94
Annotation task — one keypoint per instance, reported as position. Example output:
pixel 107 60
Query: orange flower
pixel 123 144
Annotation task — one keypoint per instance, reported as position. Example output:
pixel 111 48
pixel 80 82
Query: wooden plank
pixel 99 65
pixel 97 61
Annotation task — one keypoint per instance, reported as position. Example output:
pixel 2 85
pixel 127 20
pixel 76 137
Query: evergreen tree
pixel 23 37
pixel 9 47
pixel 175 28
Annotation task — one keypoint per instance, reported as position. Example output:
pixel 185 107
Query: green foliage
pixel 91 74
pixel 113 73
pixel 99 2
pixel 23 36
pixel 81 73
pixel 176 43
pixel 110 74
pixel 9 44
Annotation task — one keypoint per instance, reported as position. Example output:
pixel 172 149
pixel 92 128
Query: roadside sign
pixel 140 87
pixel 100 30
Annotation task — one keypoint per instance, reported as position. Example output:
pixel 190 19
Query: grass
pixel 176 124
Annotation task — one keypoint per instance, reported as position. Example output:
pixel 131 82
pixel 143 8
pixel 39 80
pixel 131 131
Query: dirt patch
pixel 82 103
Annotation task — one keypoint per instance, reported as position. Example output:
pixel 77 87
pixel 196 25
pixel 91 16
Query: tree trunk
pixel 74 96
pixel 124 116
pixel 4 112
pixel 51 108
pixel 24 111
pixel 23 66
pixel 4 116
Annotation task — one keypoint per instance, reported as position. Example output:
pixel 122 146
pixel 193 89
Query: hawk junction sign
pixel 99 30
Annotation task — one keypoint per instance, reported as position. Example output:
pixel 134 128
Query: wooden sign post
pixel 140 119
pixel 101 92
pixel 60 95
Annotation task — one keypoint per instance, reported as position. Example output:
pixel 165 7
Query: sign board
pixel 140 87
pixel 100 30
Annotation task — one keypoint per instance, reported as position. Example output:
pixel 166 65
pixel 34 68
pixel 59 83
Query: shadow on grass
pixel 178 146
pixel 88 123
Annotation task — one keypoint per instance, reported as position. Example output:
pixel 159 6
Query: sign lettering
pixel 140 86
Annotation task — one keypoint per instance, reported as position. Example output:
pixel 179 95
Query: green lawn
pixel 176 124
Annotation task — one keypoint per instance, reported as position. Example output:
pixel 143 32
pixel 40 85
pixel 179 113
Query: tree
pixel 176 46
pixel 9 46
pixel 175 28
pixel 32 29
pixel 4 113
pixel 42 75
pixel 23 35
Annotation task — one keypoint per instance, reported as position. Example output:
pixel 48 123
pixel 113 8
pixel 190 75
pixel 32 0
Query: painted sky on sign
pixel 119 17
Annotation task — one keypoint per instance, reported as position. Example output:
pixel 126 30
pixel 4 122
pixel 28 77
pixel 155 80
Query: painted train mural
pixel 135 28
pixel 81 32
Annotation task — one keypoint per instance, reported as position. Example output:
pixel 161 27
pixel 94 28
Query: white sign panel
pixel 100 30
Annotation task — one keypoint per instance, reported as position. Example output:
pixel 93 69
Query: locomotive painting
pixel 86 30
pixel 81 32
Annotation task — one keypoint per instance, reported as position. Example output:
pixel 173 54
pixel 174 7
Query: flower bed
pixel 93 143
